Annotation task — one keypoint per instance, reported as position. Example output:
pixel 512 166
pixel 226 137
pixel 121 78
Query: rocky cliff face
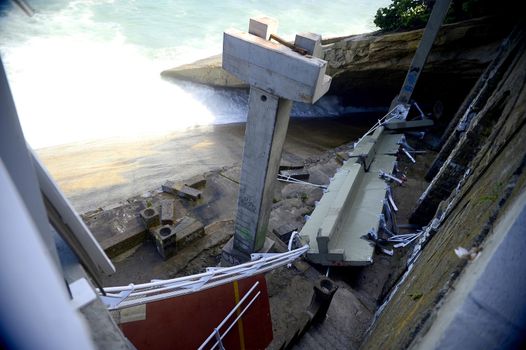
pixel 369 69
pixel 493 180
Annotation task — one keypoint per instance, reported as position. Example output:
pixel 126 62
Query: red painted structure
pixel 184 322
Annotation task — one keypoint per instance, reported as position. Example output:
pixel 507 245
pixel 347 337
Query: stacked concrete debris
pixel 186 189
pixel 169 234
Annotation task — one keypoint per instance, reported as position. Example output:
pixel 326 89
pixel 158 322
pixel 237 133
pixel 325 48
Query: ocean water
pixel 87 70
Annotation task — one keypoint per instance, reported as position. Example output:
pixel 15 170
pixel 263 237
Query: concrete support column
pixel 267 124
pixel 278 74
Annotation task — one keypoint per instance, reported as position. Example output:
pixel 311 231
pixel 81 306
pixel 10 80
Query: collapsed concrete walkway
pixel 290 290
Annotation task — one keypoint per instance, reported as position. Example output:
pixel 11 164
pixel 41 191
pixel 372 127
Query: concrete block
pixel 165 240
pixel 150 217
pixel 187 231
pixel 182 190
pixel 169 187
pixel 196 182
pixel 310 42
pixel 274 67
pixel 263 27
pixel 167 212
pixel 189 193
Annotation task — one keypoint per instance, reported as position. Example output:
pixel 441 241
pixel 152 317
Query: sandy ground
pixel 100 173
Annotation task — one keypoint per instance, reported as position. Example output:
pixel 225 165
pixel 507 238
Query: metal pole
pixel 422 52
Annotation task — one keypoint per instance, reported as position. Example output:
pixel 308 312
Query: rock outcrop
pixel 493 181
pixel 207 71
pixel 369 69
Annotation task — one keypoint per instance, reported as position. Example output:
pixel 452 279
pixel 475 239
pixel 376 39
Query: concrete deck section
pixel 352 205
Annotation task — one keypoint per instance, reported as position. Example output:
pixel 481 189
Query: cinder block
pixel 150 217
pixel 165 240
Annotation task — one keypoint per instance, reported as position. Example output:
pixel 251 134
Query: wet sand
pixel 97 174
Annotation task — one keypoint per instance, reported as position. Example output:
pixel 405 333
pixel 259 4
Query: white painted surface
pixel 35 312
pixel 82 293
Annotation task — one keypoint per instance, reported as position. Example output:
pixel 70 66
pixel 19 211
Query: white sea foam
pixel 85 70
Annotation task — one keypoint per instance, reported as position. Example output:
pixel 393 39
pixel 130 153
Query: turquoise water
pixel 84 70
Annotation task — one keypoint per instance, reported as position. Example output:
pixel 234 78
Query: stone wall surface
pixel 470 132
pixel 492 181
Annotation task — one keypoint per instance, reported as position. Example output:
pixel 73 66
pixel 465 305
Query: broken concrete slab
pixel 167 212
pixel 189 193
pixel 181 190
pixel 118 229
pixel 196 182
pixel 187 231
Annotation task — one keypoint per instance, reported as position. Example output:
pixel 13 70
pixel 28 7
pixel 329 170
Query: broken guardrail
pixel 132 295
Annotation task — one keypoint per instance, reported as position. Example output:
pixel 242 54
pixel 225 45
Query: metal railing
pixel 216 332
pixel 133 295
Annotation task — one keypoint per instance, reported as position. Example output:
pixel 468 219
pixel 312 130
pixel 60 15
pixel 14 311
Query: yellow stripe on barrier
pixel 240 321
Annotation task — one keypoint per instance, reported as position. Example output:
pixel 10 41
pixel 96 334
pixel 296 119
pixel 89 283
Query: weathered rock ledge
pixel 368 69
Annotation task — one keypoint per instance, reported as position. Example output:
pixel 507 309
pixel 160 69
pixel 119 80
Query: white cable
pixel 159 290
pixel 378 124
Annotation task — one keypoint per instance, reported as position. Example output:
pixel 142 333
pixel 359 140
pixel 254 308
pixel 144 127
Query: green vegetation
pixel 412 14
